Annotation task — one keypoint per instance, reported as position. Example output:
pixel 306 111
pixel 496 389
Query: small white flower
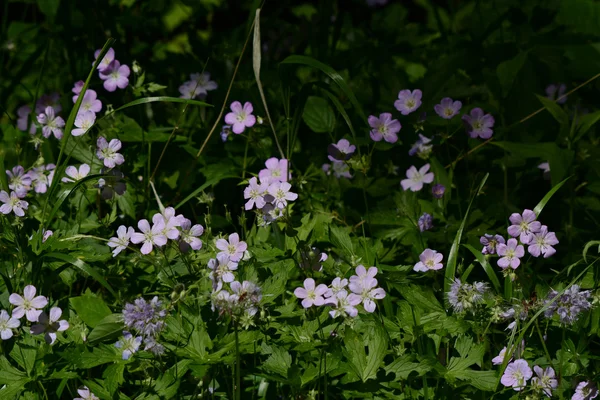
pixel 108 152
pixel 121 242
pixel 28 304
pixel 7 324
pixel 76 174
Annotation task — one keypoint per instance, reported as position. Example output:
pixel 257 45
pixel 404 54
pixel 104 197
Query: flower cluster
pixel 112 72
pixel 165 225
pixel 241 301
pixel 338 154
pixel 197 87
pixel 21 183
pixel 47 108
pixel 567 306
pixel 363 289
pixel 518 373
pixel 464 296
pixel 30 306
pixel 147 319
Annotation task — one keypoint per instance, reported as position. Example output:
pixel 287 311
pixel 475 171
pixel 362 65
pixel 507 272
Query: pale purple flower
pixel 556 91
pixel 19 181
pixel 499 359
pixel 430 260
pixel 364 288
pixel 339 168
pixel 415 179
pixel 170 222
pixel 46 235
pixel 190 90
pixel 28 304
pixel 384 128
pixel 108 152
pixel 438 190
pixel 425 222
pixel 240 117
pixel 76 174
pixel 50 324
pixel 310 294
pixel 362 275
pixel 545 380
pixel 421 147
pixel 277 170
pixel 542 243
pixel 254 193
pixel 524 226
pixel 545 167
pixel 447 108
pixel 336 285
pixel 48 100
pixel 341 151
pixel 109 57
pixel 7 324
pixel 150 236
pixel 490 242
pixel 128 344
pixel 345 304
pixel 408 101
pixel 281 193
pixel 585 391
pixel 12 203
pixel 516 375
pixel 222 268
pixel 86 394
pixel 51 124
pixel 115 76
pixel 510 254
pixel 23 113
pixel 90 102
pixel 190 234
pixel 122 240
pixel 83 122
pixel 198 86
pixel 234 248
pixel 39 179
pixel 479 124
pixel 77 88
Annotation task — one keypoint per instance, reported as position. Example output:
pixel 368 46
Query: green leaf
pixel 557 112
pixel 403 366
pixel 318 115
pixel 540 206
pixel 3 178
pixel 24 353
pixel 336 77
pixel 113 376
pixel 582 16
pixel 49 8
pixel 586 122
pixel 279 361
pixel 365 365
pixel 453 255
pixel 420 297
pixel 90 308
pixel 76 262
pixel 587 247
pixel 341 239
pixel 482 380
pixel 340 108
pixel 486 266
pixel 109 326
pixel 508 70
pixel 162 99
pixel 168 384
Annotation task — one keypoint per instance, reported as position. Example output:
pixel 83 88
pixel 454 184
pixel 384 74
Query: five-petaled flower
pixel 129 344
pixel 340 151
pixel 415 179
pixel 542 243
pixel 524 226
pixel 447 108
pixel 310 294
pixel 121 242
pixel 281 193
pixel 86 394
pixel 75 174
pixel 50 324
pixel 545 380
pixel 12 203
pixel 7 324
pixel 240 117
pixel 277 170
pixel 222 268
pixel 115 76
pixel 29 304
pixel 479 124
pixel 585 391
pixel 490 242
pixel 109 57
pixel 430 260
pixel 109 152
pixel 83 122
pixel 90 102
pixel 234 248
pixel 384 128
pixel 254 193
pixel 408 101
pixel 510 254
pixel 19 181
pixel 516 375
pixel 51 124
pixel 150 236
pixel 190 234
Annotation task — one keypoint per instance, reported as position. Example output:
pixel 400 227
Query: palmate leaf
pixel 365 365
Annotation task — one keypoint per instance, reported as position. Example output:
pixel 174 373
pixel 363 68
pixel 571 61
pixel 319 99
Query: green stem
pixel 537 327
pixel 237 389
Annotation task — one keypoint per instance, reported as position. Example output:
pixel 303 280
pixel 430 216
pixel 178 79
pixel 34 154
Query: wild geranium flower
pixel 384 128
pixel 50 324
pixel 408 101
pixel 281 193
pixel 340 151
pixel 524 226
pixel 345 304
pixel 7 324
pixel 336 285
pixel 542 243
pixel 198 86
pixel 362 274
pixel 83 122
pixel 46 235
pixel 225 132
pixel 29 304
pixel 109 152
pixel 447 108
pixel 128 344
pixel 77 88
pixel 277 170
pixel 48 100
pixel 51 124
pixel 510 254
pixel 425 222
pixel 90 102
pixel 150 236
pixel 12 203
pixel 339 168
pixel 479 124
pixel 240 117
pixel 421 147
pixel 415 179
pixel 169 221
pixel 115 76
pixel 555 91
pixel 39 179
pixel 585 391
pixel 310 294
pixel 429 260
pixel 19 181
pixel 490 242
pixel 76 174
pixel 122 240
pixel 364 288
pixel 569 306
pixel 545 380
pixel 438 190
pixel 189 235
pixel 86 394
pixel 23 120
pixel 222 268
pixel 499 359
pixel 246 296
pixel 463 296
pixel 109 57
pixel 254 193
pixel 516 375
pixel 234 248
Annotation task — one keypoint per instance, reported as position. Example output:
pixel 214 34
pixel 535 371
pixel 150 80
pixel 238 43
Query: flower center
pixel 448 112
pixel 382 129
pixel 477 125
pixel 231 249
pixel 114 74
pixel 241 117
pixel 254 194
pixel 430 263
pixel 280 194
pixel 14 202
pixel 410 103
pixel 510 253
pixel 276 172
pixel 417 177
